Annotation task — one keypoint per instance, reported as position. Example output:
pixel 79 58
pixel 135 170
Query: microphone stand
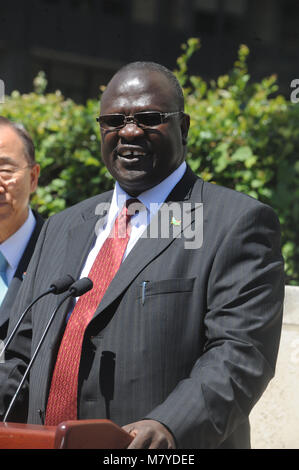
pixel 78 288
pixel 57 287
pixel 69 294
pixel 21 318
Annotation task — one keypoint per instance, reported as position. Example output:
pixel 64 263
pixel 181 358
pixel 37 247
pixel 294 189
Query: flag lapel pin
pixel 174 221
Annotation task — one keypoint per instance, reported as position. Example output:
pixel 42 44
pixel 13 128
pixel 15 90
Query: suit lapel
pixel 25 260
pixel 79 240
pixel 146 249
pixel 15 284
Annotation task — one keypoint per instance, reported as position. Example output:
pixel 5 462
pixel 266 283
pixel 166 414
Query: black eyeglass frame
pixel 134 118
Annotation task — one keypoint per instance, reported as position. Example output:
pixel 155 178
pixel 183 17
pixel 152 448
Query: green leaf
pixel 242 154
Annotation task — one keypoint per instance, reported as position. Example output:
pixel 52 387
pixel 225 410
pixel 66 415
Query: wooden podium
pixel 83 434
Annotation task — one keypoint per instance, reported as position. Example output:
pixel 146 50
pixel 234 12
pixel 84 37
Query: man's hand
pixel 149 434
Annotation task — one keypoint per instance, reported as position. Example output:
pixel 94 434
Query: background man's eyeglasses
pixel 142 119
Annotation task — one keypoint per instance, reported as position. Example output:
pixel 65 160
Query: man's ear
pixel 34 175
pixel 185 124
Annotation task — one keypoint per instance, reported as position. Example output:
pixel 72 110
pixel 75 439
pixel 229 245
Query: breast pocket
pixel 166 286
pixel 166 297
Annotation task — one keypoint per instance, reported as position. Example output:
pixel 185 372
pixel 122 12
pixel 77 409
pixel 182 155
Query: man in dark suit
pixel 183 341
pixel 19 225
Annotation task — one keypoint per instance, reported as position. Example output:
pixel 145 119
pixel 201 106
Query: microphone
pixel 80 287
pixel 77 289
pixel 57 287
pixel 62 284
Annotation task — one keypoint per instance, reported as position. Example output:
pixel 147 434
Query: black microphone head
pixel 62 284
pixel 81 286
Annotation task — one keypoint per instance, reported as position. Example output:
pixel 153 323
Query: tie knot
pixel 131 201
pixel 3 263
pixel 133 206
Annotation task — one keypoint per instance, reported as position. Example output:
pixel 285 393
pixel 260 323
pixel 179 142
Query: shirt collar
pixel 14 247
pixel 152 198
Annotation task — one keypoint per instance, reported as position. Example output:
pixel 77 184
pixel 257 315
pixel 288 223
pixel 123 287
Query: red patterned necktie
pixel 62 402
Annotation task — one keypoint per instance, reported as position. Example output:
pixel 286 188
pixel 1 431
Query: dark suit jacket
pixel 17 279
pixel 200 350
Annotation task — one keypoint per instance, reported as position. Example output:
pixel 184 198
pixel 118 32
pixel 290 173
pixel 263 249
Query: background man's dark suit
pixel 7 304
pixel 197 354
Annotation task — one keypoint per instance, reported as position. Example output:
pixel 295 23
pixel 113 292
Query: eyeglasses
pixel 146 119
pixel 8 173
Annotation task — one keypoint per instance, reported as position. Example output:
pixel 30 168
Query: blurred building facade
pixel 81 43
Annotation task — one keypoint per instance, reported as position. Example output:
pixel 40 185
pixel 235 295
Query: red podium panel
pixel 26 436
pixel 82 434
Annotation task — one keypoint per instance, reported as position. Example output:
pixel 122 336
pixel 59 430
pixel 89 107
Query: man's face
pixel 18 182
pixel 141 158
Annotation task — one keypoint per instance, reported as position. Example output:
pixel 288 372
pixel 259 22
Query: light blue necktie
pixel 3 278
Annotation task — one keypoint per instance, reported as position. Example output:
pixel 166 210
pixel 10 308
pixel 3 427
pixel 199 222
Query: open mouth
pixel 131 156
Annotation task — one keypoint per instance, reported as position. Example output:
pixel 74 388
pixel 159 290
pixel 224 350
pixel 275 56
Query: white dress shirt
pixel 152 199
pixel 14 247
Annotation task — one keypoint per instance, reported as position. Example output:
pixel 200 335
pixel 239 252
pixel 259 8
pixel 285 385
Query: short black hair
pixel 154 66
pixel 24 136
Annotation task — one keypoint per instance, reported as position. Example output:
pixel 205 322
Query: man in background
pixel 19 225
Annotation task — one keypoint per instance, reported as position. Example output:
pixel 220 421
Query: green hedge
pixel 243 135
